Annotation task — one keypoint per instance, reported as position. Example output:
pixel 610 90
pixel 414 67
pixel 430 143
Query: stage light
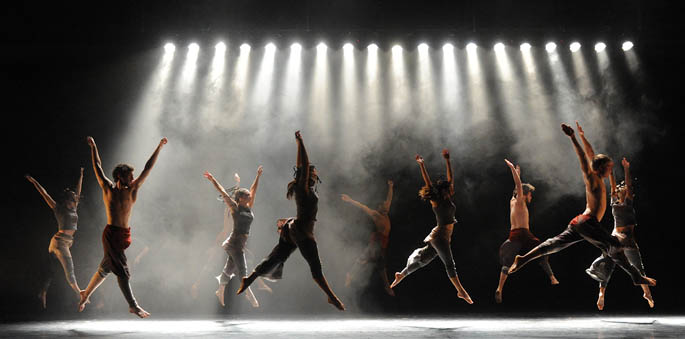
pixel 600 46
pixel 471 47
pixel 220 47
pixel 347 48
pixel 296 48
pixel 575 46
pixel 550 47
pixel 169 48
pixel 244 48
pixel 321 47
pixel 396 49
pixel 627 45
pixel 193 47
pixel 372 48
pixel 525 47
pixel 270 47
pixel 423 47
pixel 448 48
pixel 499 47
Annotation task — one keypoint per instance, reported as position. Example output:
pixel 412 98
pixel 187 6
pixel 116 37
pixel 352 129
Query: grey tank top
pixel 444 212
pixel 624 214
pixel 242 219
pixel 66 219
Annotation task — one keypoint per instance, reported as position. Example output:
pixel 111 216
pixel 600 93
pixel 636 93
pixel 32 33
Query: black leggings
pixel 602 268
pixel 586 228
pixel 438 246
pixel 290 239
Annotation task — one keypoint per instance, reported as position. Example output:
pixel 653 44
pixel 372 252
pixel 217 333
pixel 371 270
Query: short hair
pixel 120 170
pixel 526 188
pixel 241 192
pixel 599 161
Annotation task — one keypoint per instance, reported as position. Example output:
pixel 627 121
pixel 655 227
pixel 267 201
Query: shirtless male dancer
pixel 521 239
pixel 119 198
pixel 377 249
pixel 586 226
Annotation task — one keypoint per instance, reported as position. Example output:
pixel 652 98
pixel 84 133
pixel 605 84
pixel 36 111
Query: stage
pixel 559 327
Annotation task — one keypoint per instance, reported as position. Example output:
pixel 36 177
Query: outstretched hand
pixel 419 159
pixel 580 129
pixel 208 175
pixel 81 170
pixel 163 141
pixel 260 169
pixel 236 177
pixel 28 177
pixel 90 141
pixel 298 135
pixel 445 153
pixel 345 197
pixel 390 183
pixel 625 163
pixel 509 163
pixel 568 130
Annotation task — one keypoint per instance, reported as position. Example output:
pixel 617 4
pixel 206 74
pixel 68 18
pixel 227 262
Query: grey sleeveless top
pixel 66 218
pixel 444 212
pixel 624 214
pixel 242 219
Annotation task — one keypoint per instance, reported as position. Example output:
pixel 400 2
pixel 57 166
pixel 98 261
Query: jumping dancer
pixel 119 198
pixel 586 226
pixel 67 220
pixel 234 245
pixel 439 240
pixel 521 239
pixel 377 249
pixel 297 232
pixel 624 229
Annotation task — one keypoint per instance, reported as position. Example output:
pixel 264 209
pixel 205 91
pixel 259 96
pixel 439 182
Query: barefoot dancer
pixel 67 219
pixel 378 245
pixel 624 230
pixel 440 197
pixel 119 198
pixel 586 226
pixel 520 240
pixel 297 232
pixel 234 245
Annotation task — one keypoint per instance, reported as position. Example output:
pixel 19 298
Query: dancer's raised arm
pixel 516 173
pixel 253 188
pixel 48 199
pixel 424 173
pixel 584 164
pixel 302 163
pixel 79 184
pixel 388 197
pixel 628 179
pixel 227 198
pixel 104 182
pixel 589 152
pixel 612 183
pixel 448 164
pixel 346 198
pixel 148 165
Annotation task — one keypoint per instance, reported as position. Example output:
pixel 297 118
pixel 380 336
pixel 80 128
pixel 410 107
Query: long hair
pixel 439 191
pixel 298 176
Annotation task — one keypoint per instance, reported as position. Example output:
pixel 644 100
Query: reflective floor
pixel 568 327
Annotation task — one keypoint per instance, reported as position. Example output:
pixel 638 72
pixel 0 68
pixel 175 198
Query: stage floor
pixel 561 327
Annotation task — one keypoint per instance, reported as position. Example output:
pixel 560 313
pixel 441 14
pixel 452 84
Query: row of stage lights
pixel 423 47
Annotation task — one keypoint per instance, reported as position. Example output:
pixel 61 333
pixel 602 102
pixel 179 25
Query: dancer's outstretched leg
pixel 500 286
pixel 310 253
pixel 419 258
pixel 95 281
pixel 277 257
pixel 552 245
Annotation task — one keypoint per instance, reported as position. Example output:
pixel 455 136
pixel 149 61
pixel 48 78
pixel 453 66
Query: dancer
pixel 586 226
pixel 521 239
pixel 67 220
pixel 119 198
pixel 234 245
pixel 297 232
pixel 438 241
pixel 624 229
pixel 377 249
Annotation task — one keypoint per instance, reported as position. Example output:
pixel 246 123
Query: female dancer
pixel 440 197
pixel 234 245
pixel 624 231
pixel 67 219
pixel 297 232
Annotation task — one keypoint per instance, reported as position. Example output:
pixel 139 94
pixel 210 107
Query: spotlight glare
pixel 600 46
pixel 397 49
pixel 193 47
pixel 499 47
pixel 244 48
pixel 525 47
pixel 550 47
pixel 270 47
pixel 348 47
pixel 448 47
pixel 169 48
pixel 627 45
pixel 372 48
pixel 220 47
pixel 471 47
pixel 575 46
pixel 296 47
pixel 423 47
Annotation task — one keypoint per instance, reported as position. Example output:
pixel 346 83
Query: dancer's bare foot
pixel 553 280
pixel 650 281
pixel 514 267
pixel 650 300
pixel 251 298
pixel 337 303
pixel 243 285
pixel 43 296
pixel 498 296
pixel 600 301
pixel 465 295
pixel 220 294
pixel 264 287
pixel 83 301
pixel 193 291
pixel 398 277
pixel 139 311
